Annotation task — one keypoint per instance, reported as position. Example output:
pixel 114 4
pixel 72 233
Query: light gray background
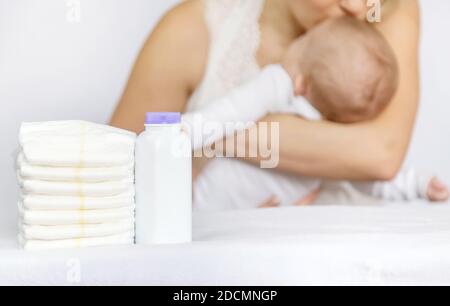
pixel 51 69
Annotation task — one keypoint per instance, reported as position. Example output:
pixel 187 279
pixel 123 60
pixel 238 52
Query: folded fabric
pixel 76 144
pixel 42 202
pixel 60 232
pixel 72 217
pixel 89 175
pixel 115 240
pixel 76 189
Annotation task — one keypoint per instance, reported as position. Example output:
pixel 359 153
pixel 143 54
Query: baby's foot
pixel 437 191
pixel 271 202
pixel 309 199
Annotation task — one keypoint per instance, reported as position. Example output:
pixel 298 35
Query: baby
pixel 343 71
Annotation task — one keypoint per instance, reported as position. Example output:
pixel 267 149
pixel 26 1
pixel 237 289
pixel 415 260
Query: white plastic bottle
pixel 163 182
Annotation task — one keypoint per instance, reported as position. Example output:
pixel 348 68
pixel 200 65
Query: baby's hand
pixel 437 191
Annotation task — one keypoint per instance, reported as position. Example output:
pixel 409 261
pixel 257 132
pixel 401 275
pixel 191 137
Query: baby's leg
pixel 409 185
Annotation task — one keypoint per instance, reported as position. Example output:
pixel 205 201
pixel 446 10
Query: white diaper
pixel 73 217
pixel 115 240
pixel 60 232
pixel 42 202
pixel 63 174
pixel 80 189
pixel 76 144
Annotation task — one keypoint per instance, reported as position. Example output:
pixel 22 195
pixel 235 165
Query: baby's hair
pixel 351 70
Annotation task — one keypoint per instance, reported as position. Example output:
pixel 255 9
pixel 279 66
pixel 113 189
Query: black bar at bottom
pixel 224 295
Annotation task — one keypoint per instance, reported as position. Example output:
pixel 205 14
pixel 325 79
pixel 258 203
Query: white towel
pixel 61 232
pixel 88 175
pixel 40 202
pixel 73 217
pixel 76 144
pixel 115 240
pixel 76 189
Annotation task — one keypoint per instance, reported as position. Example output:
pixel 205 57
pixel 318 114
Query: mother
pixel 203 48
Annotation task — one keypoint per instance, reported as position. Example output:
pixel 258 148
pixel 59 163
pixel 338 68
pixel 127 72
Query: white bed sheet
pixel 396 244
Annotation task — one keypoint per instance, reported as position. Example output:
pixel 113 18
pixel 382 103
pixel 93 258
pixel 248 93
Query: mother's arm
pixel 169 67
pixel 368 151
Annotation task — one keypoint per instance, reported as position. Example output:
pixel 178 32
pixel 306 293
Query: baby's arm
pixel 409 185
pixel 268 92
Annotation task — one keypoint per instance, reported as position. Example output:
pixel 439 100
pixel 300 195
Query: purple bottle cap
pixel 163 118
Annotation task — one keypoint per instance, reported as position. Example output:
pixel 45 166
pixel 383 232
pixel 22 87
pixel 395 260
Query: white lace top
pixel 234 40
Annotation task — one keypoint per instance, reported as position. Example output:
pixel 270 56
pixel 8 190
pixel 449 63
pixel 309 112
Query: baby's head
pixel 345 68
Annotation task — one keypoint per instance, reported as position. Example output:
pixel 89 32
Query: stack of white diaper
pixel 77 185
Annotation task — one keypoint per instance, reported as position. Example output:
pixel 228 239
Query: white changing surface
pixel 396 244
